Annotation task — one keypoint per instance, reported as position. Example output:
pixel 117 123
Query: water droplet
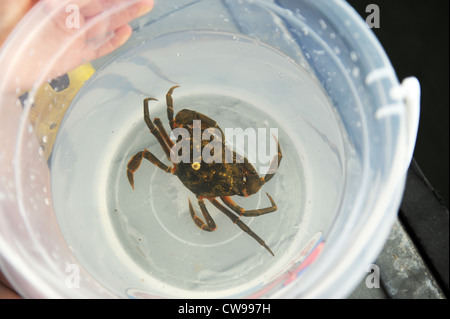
pixel 180 54
pixel 353 56
pixel 45 139
pixel 323 24
pixel 47 201
pixel 318 52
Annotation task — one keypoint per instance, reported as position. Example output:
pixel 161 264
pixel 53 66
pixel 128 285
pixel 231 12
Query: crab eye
pixel 195 166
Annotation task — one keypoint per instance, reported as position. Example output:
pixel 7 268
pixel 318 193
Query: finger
pixel 94 7
pixel 118 16
pixel 58 4
pixel 106 15
pixel 121 35
pixel 10 14
pixel 58 13
pixel 91 50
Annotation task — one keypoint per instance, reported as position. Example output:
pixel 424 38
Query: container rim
pixel 341 267
pixel 356 249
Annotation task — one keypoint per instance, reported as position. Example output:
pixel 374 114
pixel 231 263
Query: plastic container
pixel 311 69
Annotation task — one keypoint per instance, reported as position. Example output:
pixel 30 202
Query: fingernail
pixel 146 8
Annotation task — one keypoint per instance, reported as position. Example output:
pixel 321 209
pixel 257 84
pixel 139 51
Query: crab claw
pixel 130 178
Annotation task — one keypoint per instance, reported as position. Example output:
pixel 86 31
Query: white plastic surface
pixel 33 252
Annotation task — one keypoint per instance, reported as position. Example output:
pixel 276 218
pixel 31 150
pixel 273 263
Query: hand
pixel 71 44
pixel 6 290
pixel 11 11
pixel 95 37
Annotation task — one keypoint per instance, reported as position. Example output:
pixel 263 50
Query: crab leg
pixel 249 213
pixel 241 225
pixel 169 102
pixel 153 129
pixel 163 132
pixel 206 121
pixel 210 224
pixel 136 160
pixel 273 169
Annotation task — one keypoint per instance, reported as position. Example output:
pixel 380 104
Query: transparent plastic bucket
pixel 337 213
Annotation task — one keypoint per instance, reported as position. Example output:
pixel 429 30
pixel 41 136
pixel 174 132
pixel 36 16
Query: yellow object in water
pixel 51 102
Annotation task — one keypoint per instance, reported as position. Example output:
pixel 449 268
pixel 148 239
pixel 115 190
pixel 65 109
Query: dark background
pixel 415 36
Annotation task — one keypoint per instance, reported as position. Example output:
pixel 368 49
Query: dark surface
pixel 426 220
pixel 415 36
pixel 414 259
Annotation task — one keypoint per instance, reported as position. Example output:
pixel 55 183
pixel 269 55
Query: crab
pixel 207 180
